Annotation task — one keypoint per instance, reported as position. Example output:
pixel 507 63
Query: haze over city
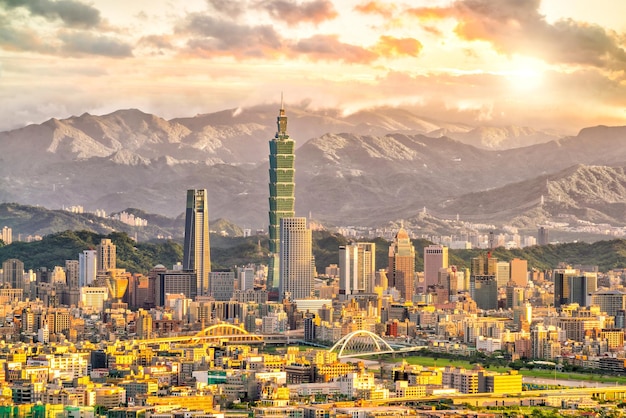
pixel 546 64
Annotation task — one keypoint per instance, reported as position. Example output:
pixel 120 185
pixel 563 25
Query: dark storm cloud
pixel 72 13
pixel 84 43
pixel 293 12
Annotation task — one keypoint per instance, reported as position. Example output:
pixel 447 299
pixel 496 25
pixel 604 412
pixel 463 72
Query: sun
pixel 525 74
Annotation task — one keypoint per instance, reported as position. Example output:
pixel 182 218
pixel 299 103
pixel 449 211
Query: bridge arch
pixel 362 342
pixel 224 330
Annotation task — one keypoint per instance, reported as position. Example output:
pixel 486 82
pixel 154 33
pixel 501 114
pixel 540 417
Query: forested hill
pixel 227 252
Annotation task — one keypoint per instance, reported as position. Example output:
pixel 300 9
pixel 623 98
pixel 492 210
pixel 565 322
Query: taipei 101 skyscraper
pixel 282 191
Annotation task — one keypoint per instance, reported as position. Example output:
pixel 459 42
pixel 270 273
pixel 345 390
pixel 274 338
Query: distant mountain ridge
pixel 365 168
pixel 27 220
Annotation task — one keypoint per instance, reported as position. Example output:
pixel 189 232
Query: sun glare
pixel 525 74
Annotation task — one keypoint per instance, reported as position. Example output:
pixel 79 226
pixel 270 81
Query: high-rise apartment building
pixel 357 268
pixel 503 273
pixel 196 249
pixel 245 278
pixel 87 267
pixel 13 274
pixel 7 235
pixel 435 258
pixel 519 272
pixel 402 265
pixel 70 294
pixel 144 324
pixel 107 255
pixel 222 285
pixel 297 265
pixel 72 273
pixel 450 280
pixel 515 296
pixel 282 192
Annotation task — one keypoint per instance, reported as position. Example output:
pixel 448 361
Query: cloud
pixel 376 8
pixel 156 41
pixel 215 36
pixel 328 47
pixel 431 13
pixel 22 39
pixel 294 13
pixel 389 46
pixel 231 8
pixel 72 13
pixel 84 43
pixel 517 26
pixel 228 38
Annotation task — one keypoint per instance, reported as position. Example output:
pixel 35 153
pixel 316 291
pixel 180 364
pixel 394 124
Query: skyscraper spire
pixel 281 121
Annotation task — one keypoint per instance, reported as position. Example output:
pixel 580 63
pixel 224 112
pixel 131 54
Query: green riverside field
pixel 541 373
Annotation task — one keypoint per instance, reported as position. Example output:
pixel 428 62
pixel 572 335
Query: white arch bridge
pixel 365 343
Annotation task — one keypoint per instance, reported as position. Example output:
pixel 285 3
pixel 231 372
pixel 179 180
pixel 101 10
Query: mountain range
pixel 367 168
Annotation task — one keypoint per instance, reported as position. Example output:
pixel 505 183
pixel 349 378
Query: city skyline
pixel 471 61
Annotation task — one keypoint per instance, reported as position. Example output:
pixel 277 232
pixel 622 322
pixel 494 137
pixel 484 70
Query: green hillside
pixel 54 249
pixel 227 252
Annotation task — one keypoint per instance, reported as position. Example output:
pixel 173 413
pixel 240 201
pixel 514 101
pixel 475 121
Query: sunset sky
pixel 558 64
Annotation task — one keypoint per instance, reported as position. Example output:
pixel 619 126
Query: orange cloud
pixel 329 47
pixel 389 46
pixel 315 11
pixel 431 13
pixel 376 8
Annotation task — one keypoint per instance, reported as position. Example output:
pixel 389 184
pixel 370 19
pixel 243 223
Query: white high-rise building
pixel 297 265
pixel 245 275
pixel 87 267
pixel 357 268
pixel 7 235
pixel 43 334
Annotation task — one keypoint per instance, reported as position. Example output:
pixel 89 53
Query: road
pixel 565 382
